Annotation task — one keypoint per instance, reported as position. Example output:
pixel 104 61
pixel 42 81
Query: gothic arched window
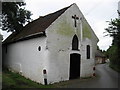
pixel 75 43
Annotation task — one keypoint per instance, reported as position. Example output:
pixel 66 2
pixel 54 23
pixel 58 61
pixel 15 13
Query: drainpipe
pixel 81 31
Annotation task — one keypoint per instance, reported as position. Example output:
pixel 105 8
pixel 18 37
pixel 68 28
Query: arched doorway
pixel 74 65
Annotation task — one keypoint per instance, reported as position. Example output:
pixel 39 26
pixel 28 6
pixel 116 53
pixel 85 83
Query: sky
pixel 96 12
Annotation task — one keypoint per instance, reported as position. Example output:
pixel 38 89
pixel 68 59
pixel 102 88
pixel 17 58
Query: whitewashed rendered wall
pixel 55 52
pixel 98 60
pixel 87 64
pixel 1 38
pixel 1 61
pixel 24 57
pixel 59 42
pixel 60 35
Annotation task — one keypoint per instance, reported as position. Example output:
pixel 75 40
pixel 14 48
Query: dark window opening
pixel 39 48
pixel 88 51
pixel 75 43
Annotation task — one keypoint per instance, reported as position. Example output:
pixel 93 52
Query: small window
pixel 39 48
pixel 88 51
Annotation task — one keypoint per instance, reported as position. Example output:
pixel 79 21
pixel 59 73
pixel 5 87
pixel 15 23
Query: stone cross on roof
pixel 75 19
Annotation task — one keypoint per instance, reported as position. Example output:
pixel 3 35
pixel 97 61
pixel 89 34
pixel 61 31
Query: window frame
pixel 88 53
pixel 75 43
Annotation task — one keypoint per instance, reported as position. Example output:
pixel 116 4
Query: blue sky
pixel 97 12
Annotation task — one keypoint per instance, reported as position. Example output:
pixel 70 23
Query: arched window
pixel 88 51
pixel 75 43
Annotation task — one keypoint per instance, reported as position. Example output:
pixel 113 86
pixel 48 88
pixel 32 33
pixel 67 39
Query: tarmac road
pixel 106 78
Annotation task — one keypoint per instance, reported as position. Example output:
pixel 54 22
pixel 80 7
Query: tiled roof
pixel 99 54
pixel 35 27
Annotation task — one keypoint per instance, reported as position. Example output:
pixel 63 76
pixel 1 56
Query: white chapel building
pixel 57 47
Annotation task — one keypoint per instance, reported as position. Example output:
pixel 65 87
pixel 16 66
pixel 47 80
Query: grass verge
pixel 115 67
pixel 14 80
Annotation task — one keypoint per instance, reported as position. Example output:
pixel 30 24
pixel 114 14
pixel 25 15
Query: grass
pixel 0 76
pixel 0 80
pixel 12 80
pixel 115 67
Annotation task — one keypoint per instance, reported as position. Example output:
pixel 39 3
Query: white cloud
pixel 104 43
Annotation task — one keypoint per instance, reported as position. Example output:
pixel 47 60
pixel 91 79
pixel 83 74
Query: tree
pixel 114 30
pixel 114 50
pixel 14 16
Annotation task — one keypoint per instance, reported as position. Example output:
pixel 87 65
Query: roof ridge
pixel 57 11
pixel 38 25
pixel 40 17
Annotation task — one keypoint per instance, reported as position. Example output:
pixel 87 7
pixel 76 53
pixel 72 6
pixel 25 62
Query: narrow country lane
pixel 106 78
